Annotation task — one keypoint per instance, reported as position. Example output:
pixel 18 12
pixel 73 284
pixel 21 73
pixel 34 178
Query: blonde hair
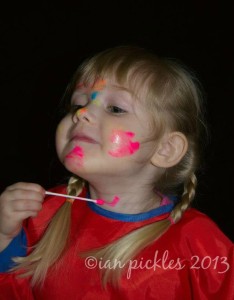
pixel 172 94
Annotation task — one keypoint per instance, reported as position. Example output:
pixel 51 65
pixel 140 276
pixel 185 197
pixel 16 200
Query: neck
pixel 134 197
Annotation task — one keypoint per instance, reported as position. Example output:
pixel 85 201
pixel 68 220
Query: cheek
pixel 122 143
pixel 61 136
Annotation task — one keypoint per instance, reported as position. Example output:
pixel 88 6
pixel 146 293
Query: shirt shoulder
pixel 197 257
pixel 198 233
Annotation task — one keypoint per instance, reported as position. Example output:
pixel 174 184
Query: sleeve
pixel 211 261
pixel 13 287
pixel 17 247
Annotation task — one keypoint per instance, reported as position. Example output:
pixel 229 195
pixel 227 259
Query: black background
pixel 42 46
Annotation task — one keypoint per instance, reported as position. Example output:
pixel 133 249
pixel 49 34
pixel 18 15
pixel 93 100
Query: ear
pixel 171 149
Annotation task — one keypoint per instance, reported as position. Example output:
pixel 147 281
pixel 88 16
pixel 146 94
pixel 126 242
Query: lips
pixel 83 138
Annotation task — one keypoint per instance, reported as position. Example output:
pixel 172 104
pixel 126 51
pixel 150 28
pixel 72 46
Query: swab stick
pixel 98 201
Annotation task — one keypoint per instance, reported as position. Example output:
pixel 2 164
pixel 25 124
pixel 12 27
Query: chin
pixel 73 166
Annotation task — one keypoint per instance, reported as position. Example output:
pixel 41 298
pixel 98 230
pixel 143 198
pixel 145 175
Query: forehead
pixel 102 86
pixel 96 85
pixel 110 85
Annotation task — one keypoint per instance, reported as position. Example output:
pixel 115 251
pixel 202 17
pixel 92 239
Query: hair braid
pixel 186 198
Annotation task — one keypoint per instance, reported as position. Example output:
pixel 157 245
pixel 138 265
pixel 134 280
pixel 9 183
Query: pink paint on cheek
pixel 76 153
pixel 122 143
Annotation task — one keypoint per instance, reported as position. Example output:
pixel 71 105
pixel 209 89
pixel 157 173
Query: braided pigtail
pixel 53 243
pixel 186 199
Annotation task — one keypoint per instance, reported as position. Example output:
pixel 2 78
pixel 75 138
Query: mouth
pixel 84 138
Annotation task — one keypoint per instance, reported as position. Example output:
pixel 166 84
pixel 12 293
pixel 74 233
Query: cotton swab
pixel 98 201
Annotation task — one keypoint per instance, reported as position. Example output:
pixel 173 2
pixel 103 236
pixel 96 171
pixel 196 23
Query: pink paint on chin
pixel 77 153
pixel 123 144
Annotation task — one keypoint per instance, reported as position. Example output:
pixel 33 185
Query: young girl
pixel 131 139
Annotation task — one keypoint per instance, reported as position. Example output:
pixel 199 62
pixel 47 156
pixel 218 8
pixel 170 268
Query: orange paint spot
pixel 81 111
pixel 99 85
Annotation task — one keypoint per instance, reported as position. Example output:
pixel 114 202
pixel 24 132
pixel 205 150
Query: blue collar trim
pixel 132 217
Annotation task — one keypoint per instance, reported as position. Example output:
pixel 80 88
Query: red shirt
pixel 192 260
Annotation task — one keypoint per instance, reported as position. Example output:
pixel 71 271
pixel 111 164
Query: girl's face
pixel 106 133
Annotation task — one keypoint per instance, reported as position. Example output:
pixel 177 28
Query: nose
pixel 85 114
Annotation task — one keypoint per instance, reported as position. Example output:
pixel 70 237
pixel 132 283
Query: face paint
pixel 99 85
pixel 81 111
pixel 112 203
pixel 76 153
pixel 123 144
pixel 93 97
pixel 96 102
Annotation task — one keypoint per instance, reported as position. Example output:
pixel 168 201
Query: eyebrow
pixel 125 89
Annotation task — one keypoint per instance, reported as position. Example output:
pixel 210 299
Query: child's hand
pixel 18 202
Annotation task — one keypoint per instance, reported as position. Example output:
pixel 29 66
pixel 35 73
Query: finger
pixel 26 205
pixel 26 186
pixel 25 195
pixel 19 216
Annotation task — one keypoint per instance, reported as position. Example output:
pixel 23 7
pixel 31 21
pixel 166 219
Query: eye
pixel 115 109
